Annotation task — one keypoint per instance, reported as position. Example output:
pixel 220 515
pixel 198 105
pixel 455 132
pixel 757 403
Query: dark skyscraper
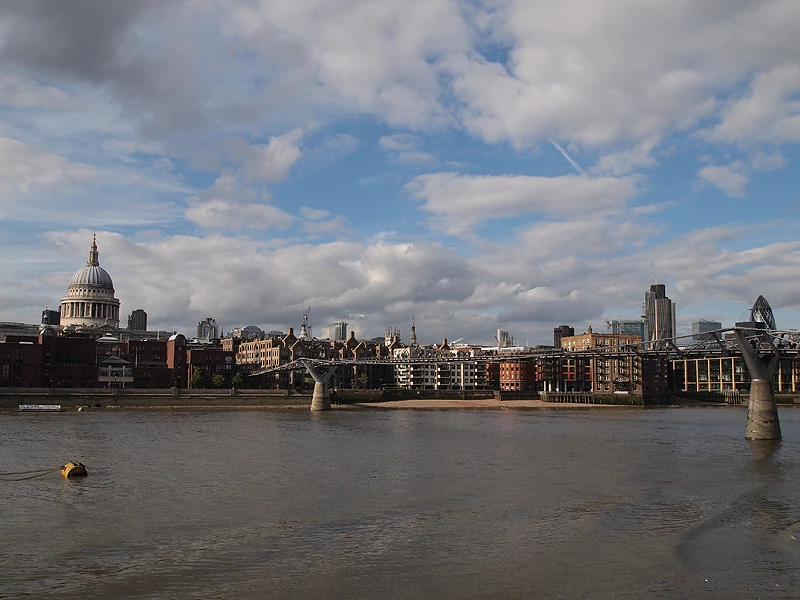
pixel 560 332
pixel 51 317
pixel 137 320
pixel 659 311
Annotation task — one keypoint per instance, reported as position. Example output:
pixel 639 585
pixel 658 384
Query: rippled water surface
pixel 597 503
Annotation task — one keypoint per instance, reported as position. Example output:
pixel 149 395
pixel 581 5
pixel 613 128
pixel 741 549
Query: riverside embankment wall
pixel 149 398
pixel 11 398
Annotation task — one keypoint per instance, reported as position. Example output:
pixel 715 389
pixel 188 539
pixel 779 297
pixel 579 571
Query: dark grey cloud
pixel 135 49
pixel 87 39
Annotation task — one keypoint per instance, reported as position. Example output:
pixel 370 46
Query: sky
pixel 475 164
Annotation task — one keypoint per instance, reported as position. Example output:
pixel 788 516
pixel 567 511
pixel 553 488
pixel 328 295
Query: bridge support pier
pixel 762 412
pixel 321 400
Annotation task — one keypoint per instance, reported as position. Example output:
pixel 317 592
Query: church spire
pixel 93 261
pixel 413 338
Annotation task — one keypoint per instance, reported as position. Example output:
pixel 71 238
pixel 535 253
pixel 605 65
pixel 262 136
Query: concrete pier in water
pixel 321 400
pixel 762 412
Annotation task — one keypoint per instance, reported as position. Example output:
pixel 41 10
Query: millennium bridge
pixel 760 346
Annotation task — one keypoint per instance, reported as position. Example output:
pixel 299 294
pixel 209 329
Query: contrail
pixel 569 158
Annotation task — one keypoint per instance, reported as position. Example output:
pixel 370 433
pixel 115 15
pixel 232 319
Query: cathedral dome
pixel 93 275
pixel 90 300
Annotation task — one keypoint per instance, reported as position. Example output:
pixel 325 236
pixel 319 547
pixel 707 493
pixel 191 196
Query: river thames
pixel 558 503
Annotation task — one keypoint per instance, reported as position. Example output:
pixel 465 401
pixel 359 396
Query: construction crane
pixel 305 327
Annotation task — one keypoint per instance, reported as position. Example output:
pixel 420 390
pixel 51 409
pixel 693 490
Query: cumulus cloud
pixel 623 162
pixel 25 170
pixel 571 72
pixel 271 162
pixel 404 148
pixel 459 202
pixel 730 179
pixel 117 115
pixel 241 280
pixel 227 214
pixel 768 112
pixel 19 92
pixel 768 162
pixel 226 204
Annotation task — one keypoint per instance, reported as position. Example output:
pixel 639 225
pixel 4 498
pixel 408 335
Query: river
pixel 474 504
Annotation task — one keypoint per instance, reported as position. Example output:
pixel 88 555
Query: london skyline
pixel 476 165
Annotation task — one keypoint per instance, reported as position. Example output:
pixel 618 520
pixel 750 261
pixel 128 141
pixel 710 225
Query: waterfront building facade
pixel 614 373
pixel 728 374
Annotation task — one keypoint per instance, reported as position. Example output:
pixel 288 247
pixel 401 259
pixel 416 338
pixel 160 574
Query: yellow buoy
pixel 73 469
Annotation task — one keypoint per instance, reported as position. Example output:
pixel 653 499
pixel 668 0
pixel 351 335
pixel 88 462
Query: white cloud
pixel 314 214
pixel 769 112
pixel 730 179
pixel 404 148
pixel 239 280
pixel 169 89
pixel 271 162
pixel 768 162
pixel 25 170
pixel 336 226
pixel 624 162
pixel 459 202
pixel 599 73
pixel 228 205
pixel 226 214
pixel 19 92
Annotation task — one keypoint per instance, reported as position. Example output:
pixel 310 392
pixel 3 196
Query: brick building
pixel 620 371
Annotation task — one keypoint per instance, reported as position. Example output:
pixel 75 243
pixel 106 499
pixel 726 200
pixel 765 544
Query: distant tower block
pixel 208 329
pixel 504 339
pixel 137 320
pixel 659 311
pixel 562 331
pixel 338 331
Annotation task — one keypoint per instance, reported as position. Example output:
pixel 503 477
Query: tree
pixel 237 380
pixel 219 381
pixel 363 380
pixel 199 379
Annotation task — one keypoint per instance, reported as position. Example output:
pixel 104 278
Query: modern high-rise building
pixel 338 331
pixel 659 311
pixel 504 339
pixel 630 327
pixel 137 320
pixel 562 331
pixel 208 329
